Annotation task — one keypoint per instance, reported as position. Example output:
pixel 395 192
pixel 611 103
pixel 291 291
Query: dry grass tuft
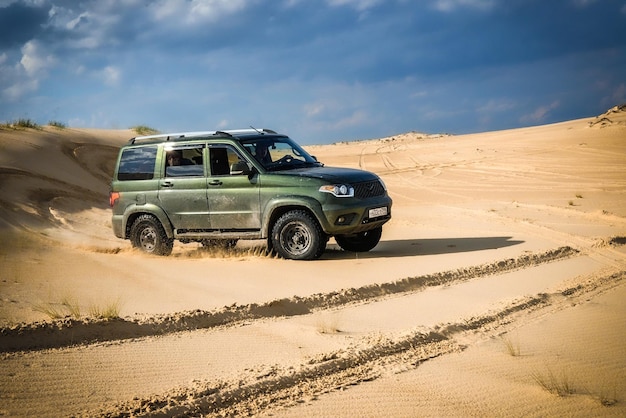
pixel 67 307
pixel 512 347
pixel 109 311
pixel 328 324
pixel 70 307
pixel 559 385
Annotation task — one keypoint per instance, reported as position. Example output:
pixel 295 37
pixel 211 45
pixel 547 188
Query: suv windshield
pixel 279 153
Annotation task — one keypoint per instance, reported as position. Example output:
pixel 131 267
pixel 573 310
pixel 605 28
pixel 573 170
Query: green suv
pixel 221 186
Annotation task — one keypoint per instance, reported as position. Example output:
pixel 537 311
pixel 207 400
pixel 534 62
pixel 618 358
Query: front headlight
pixel 338 190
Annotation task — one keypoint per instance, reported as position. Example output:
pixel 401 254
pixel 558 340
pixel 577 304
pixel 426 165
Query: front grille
pixel 368 189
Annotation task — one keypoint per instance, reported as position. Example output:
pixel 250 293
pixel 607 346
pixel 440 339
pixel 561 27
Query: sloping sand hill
pixel 496 290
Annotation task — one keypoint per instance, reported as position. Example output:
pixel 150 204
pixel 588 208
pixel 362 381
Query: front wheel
pixel 148 235
pixel 361 242
pixel 297 235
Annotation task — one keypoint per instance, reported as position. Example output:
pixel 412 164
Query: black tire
pixel 296 235
pixel 148 235
pixel 361 242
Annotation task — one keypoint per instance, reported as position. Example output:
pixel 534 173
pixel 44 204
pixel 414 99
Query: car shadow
pixel 427 246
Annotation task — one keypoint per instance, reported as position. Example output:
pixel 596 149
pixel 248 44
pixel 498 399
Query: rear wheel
pixel 361 242
pixel 297 235
pixel 148 235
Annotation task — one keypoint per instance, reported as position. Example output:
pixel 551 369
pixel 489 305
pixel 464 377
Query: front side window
pixel 224 160
pixel 137 164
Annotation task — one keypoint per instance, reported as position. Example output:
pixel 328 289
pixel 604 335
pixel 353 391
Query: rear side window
pixel 137 164
pixel 184 162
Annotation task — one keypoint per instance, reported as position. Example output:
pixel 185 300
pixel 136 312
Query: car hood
pixel 332 174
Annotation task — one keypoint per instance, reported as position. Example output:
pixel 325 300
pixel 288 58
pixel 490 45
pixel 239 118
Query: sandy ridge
pixel 365 361
pixel 70 331
pixel 517 235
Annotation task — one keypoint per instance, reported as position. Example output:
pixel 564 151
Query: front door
pixel 233 198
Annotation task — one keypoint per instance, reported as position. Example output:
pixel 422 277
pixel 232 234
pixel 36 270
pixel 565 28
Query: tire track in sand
pixel 283 387
pixel 69 331
pixel 188 381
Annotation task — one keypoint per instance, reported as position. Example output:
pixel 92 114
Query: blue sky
pixel 319 70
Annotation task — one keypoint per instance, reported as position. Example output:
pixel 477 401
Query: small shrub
pixel 27 123
pixel 144 130
pixel 57 124
pixel 22 123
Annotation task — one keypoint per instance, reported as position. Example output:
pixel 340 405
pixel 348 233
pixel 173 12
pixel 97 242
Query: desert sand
pixel 497 289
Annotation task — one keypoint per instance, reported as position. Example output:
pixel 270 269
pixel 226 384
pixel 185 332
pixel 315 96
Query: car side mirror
pixel 239 168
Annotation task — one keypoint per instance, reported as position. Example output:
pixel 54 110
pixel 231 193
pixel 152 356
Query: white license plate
pixel 376 212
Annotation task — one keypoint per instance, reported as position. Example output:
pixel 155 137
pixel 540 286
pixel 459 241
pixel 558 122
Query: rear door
pixel 233 198
pixel 183 186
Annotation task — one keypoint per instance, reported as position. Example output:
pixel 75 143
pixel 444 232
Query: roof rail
pixel 178 135
pixel 169 136
pixel 226 133
pixel 251 131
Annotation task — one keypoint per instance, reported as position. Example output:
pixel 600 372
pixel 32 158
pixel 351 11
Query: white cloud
pixel 34 60
pixel 357 4
pixel 313 109
pixel 164 9
pixel 19 89
pixel 453 5
pixel 89 28
pixel 72 24
pixel 214 9
pixel 292 3
pixel 111 75
pixel 195 11
pixel 540 114
pixel 497 105
pixel 6 3
pixel 357 118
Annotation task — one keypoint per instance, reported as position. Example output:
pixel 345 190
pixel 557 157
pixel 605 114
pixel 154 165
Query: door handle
pixel 167 184
pixel 215 183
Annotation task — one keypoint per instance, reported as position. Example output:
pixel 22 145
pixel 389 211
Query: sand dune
pixel 497 288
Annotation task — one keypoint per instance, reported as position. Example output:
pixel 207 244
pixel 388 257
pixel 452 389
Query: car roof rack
pixel 231 133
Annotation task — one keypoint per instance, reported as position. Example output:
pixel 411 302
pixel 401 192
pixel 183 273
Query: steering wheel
pixel 284 160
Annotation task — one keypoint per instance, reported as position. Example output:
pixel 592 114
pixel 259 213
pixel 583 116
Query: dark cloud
pixel 20 23
pixel 311 65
